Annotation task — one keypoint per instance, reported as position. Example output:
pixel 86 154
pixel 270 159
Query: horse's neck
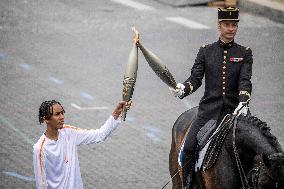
pixel 252 140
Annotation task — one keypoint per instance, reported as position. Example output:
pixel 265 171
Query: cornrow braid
pixel 46 110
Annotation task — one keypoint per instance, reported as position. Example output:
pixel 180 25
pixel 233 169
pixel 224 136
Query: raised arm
pixel 85 136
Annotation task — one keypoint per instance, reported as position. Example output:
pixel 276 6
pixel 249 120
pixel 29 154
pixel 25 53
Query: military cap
pixel 229 13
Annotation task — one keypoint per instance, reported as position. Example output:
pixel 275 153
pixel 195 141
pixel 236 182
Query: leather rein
pixel 255 172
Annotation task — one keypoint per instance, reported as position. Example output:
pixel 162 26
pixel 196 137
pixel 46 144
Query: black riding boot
pixel 187 173
pixel 189 152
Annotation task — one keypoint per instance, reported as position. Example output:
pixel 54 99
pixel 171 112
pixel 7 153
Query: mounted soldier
pixel 227 67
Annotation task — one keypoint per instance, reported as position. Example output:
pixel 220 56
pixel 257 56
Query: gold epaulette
pixel 247 48
pixel 205 45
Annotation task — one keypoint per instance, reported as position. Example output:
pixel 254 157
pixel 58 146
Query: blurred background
pixel 76 52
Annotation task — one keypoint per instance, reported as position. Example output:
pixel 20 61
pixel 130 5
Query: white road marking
pixel 152 133
pixel 76 106
pixel 86 95
pixel 15 129
pixel 25 66
pixel 88 108
pixel 55 80
pixel 187 23
pixel 2 55
pixel 22 177
pixel 133 4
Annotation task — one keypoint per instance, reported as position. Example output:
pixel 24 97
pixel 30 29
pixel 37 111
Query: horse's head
pixel 268 172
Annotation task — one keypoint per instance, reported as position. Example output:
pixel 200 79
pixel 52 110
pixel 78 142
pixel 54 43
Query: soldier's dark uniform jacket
pixel 227 68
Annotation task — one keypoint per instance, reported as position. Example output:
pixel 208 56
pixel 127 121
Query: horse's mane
pixel 263 128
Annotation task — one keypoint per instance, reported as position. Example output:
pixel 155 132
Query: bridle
pixel 257 171
pixel 243 177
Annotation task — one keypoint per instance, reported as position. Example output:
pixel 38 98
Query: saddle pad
pixel 202 137
pixel 210 139
pixel 201 155
pixel 205 132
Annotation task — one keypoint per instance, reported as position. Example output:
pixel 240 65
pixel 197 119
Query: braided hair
pixel 46 110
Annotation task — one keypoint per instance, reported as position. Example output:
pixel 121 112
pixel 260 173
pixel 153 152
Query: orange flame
pixel 136 35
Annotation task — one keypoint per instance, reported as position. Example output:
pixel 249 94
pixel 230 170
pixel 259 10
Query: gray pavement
pixel 76 52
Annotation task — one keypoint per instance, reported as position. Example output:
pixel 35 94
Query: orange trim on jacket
pixel 40 162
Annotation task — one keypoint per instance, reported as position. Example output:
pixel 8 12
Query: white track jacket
pixel 56 163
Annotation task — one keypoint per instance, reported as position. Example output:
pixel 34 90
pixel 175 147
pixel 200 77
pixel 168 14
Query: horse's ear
pixel 266 160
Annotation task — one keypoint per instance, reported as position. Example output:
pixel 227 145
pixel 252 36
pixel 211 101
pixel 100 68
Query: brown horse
pixel 260 154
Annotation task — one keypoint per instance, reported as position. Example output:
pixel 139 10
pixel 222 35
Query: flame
pixel 136 35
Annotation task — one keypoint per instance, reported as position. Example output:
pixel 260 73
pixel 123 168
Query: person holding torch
pixel 55 157
pixel 227 68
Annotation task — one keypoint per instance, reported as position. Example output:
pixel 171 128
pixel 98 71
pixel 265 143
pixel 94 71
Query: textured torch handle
pixel 130 74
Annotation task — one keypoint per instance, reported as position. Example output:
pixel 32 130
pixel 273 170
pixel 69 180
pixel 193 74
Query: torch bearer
pixel 155 63
pixel 130 74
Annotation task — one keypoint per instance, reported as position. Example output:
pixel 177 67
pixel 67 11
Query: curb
pixel 264 8
pixel 273 10
pixel 183 3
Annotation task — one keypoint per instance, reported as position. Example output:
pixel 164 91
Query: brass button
pixel 224 78
pixel 224 57
pixel 224 82
pixel 224 67
pixel 225 52
pixel 224 93
pixel 224 88
pixel 224 73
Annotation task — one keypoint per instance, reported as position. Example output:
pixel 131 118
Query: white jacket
pixel 56 163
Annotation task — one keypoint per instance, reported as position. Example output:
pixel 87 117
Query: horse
pixel 261 157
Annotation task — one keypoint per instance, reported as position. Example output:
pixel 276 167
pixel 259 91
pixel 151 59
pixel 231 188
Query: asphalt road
pixel 76 52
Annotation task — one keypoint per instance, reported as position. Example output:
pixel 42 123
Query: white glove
pixel 241 109
pixel 178 91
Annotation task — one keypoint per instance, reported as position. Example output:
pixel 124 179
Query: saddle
pixel 210 140
pixel 205 132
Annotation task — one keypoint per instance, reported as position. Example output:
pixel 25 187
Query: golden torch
pixel 130 74
pixel 155 63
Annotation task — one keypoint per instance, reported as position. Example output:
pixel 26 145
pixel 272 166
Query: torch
pixel 130 74
pixel 155 63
